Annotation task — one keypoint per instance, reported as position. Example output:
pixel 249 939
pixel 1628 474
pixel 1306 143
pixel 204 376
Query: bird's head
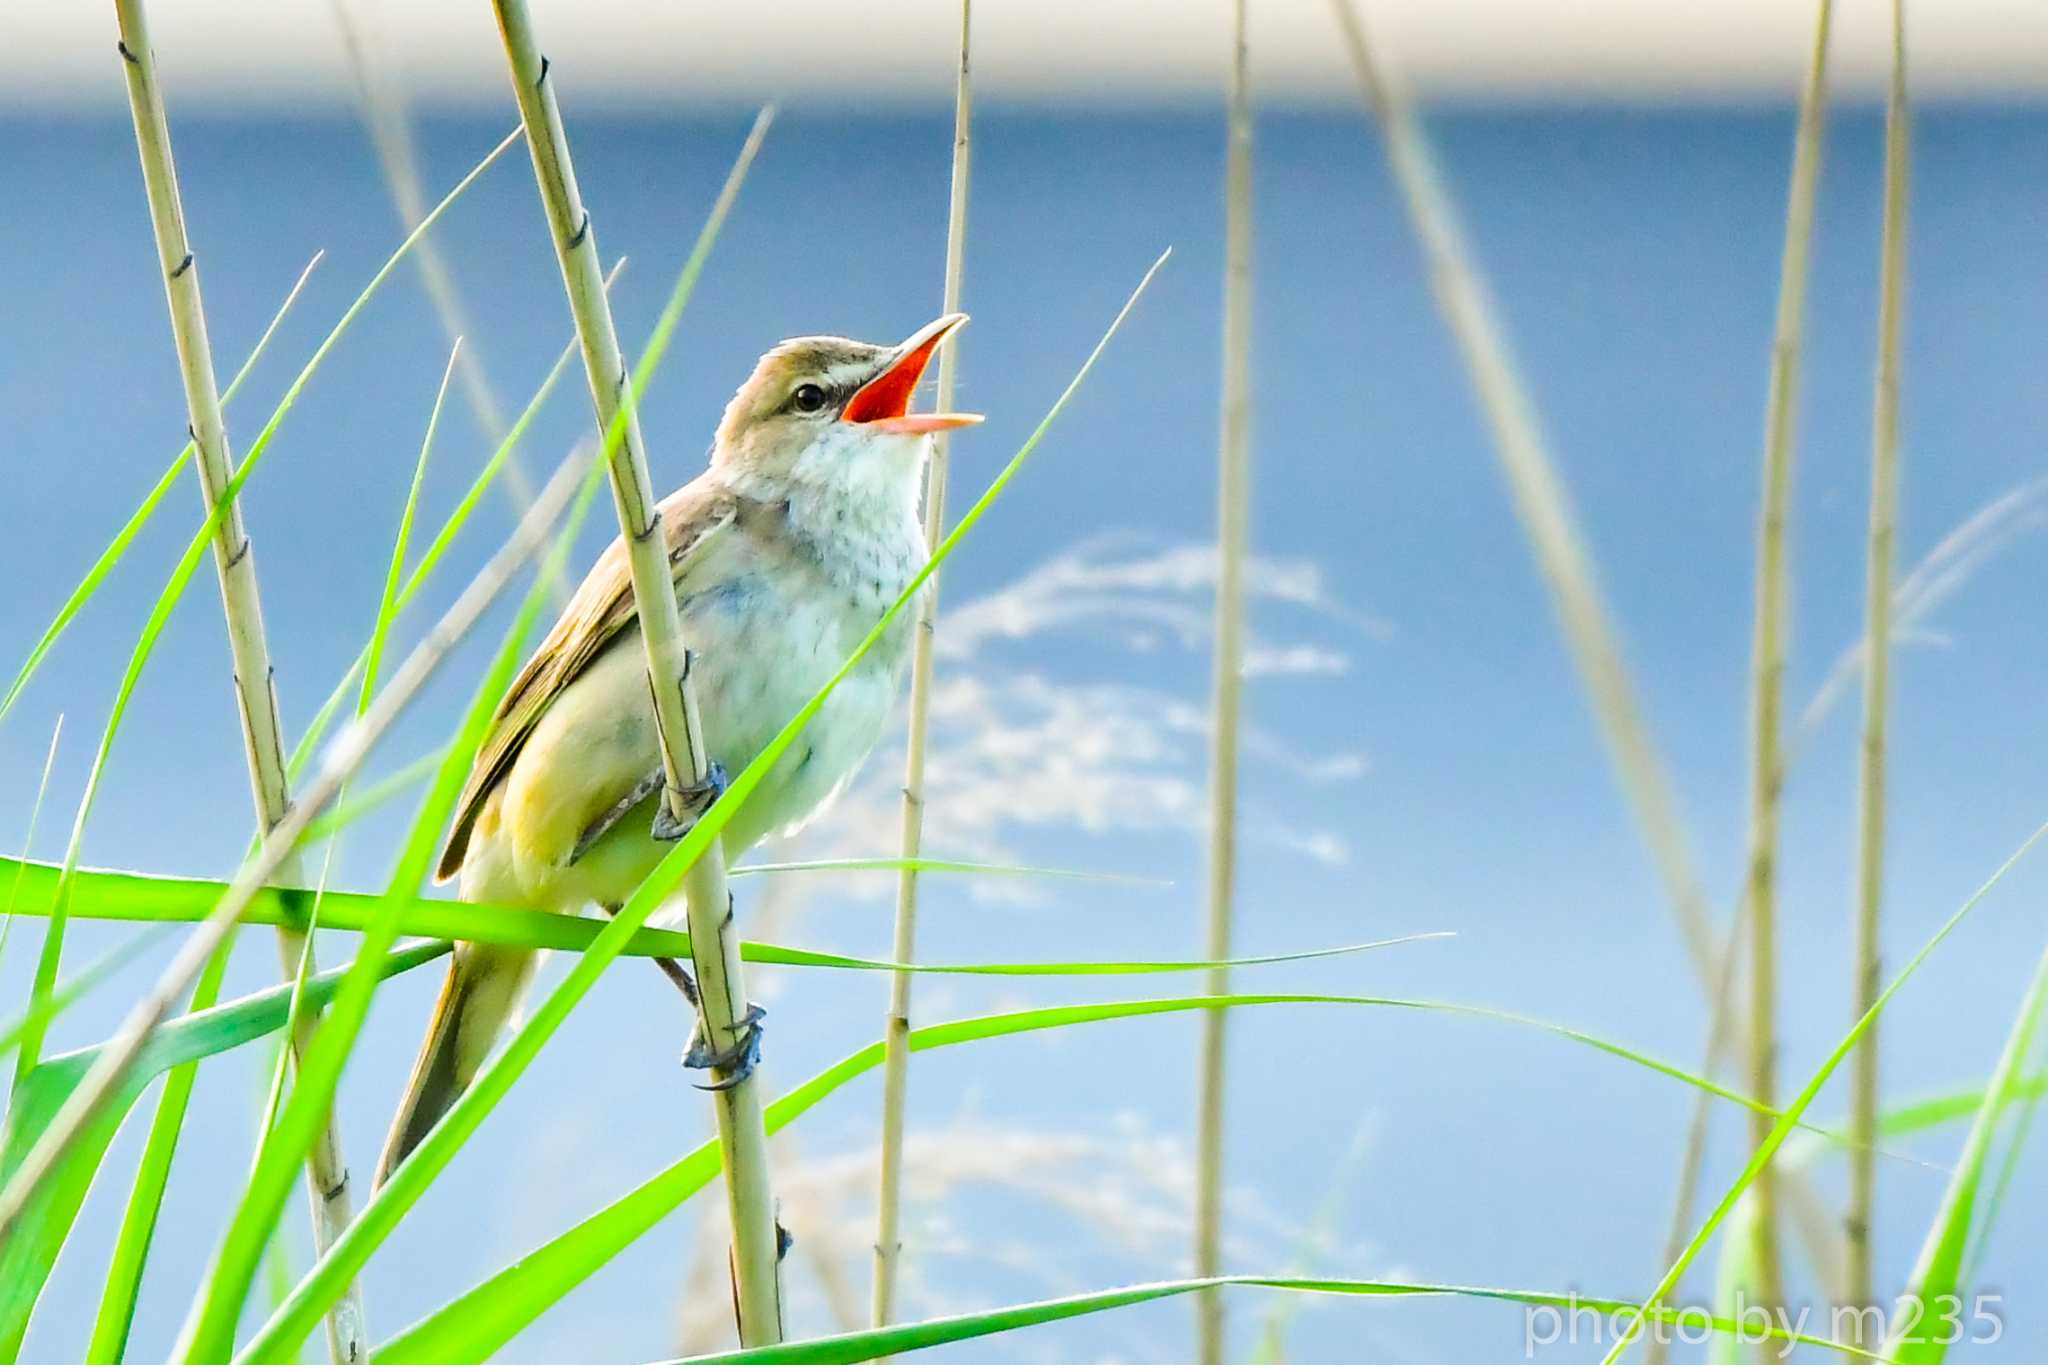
pixel 829 412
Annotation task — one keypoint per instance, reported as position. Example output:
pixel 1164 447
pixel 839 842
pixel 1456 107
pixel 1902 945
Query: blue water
pixel 1634 255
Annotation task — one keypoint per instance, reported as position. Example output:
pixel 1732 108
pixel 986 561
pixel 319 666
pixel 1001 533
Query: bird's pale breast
pixel 769 617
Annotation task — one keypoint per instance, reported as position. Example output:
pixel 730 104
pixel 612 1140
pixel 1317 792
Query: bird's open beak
pixel 883 403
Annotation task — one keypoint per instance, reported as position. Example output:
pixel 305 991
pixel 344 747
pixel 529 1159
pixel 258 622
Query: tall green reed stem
pixel 1767 662
pixel 896 1036
pixel 1233 497
pixel 234 562
pixel 714 947
pixel 1877 608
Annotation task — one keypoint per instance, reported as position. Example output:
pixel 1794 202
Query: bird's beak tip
pixel 886 397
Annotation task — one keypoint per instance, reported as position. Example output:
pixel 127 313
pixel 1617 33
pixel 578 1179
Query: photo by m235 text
pixel 1945 1320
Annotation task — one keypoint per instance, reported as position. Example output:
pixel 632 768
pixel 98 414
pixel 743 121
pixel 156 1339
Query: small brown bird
pixel 785 552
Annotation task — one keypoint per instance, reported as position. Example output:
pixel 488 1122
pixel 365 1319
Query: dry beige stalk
pixel 1767 663
pixel 1545 511
pixel 343 756
pixel 896 1039
pixel 722 998
pixel 1877 631
pixel 1233 497
pixel 235 564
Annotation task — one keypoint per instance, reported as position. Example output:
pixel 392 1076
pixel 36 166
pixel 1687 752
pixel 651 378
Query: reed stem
pixel 1233 497
pixel 327 1180
pixel 117 1056
pixel 1768 649
pixel 896 1038
pixel 723 1004
pixel 1541 503
pixel 1884 493
pixel 390 128
pixel 1544 509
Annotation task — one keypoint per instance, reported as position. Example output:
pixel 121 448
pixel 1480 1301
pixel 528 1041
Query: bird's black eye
pixel 808 398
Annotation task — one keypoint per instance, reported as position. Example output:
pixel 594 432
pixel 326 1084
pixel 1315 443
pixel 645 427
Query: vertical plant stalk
pixel 896 1038
pixel 714 947
pixel 390 130
pixel 118 1055
pixel 1545 511
pixel 235 564
pixel 1233 494
pixel 1767 663
pixel 1870 797
pixel 1541 503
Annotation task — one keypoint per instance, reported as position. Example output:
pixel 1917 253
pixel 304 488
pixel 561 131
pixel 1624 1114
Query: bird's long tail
pixel 481 992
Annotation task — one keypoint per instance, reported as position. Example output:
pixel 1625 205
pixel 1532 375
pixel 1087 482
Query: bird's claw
pixel 738 1060
pixel 697 798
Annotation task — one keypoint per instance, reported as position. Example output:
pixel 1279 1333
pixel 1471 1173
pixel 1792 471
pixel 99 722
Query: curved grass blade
pixel 2014 1150
pixel 209 1333
pixel 1790 1116
pixel 115 1316
pixel 373 796
pixel 118 546
pixel 500 460
pixel 1937 1272
pixel 75 987
pixel 59 1142
pixel 479 1322
pixel 28 840
pixel 30 1249
pixel 387 606
pixel 875 1343
pixel 181 577
pixel 1731 1270
pixel 138 658
pixel 134 896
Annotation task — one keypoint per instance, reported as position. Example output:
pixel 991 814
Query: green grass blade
pixel 209 1334
pixel 500 460
pixel 875 1343
pixel 1937 1273
pixel 1789 1118
pixel 118 547
pixel 116 1313
pixel 373 796
pixel 394 572
pixel 28 1253
pixel 181 577
pixel 133 896
pixel 1735 1281
pixel 477 1323
pixel 75 987
pixel 373 654
pixel 1915 1116
pixel 56 1207
pixel 28 840
pixel 2015 1149
pixel 152 629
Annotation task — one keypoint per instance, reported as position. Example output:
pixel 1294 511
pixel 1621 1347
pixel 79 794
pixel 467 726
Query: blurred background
pixel 1420 756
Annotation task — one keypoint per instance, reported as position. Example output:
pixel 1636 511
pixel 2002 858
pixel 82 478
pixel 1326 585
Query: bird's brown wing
pixel 602 607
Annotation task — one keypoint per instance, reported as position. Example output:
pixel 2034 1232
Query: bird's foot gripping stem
pixel 738 1061
pixel 697 799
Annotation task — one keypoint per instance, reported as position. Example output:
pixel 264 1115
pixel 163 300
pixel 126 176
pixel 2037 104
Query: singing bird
pixel 784 553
